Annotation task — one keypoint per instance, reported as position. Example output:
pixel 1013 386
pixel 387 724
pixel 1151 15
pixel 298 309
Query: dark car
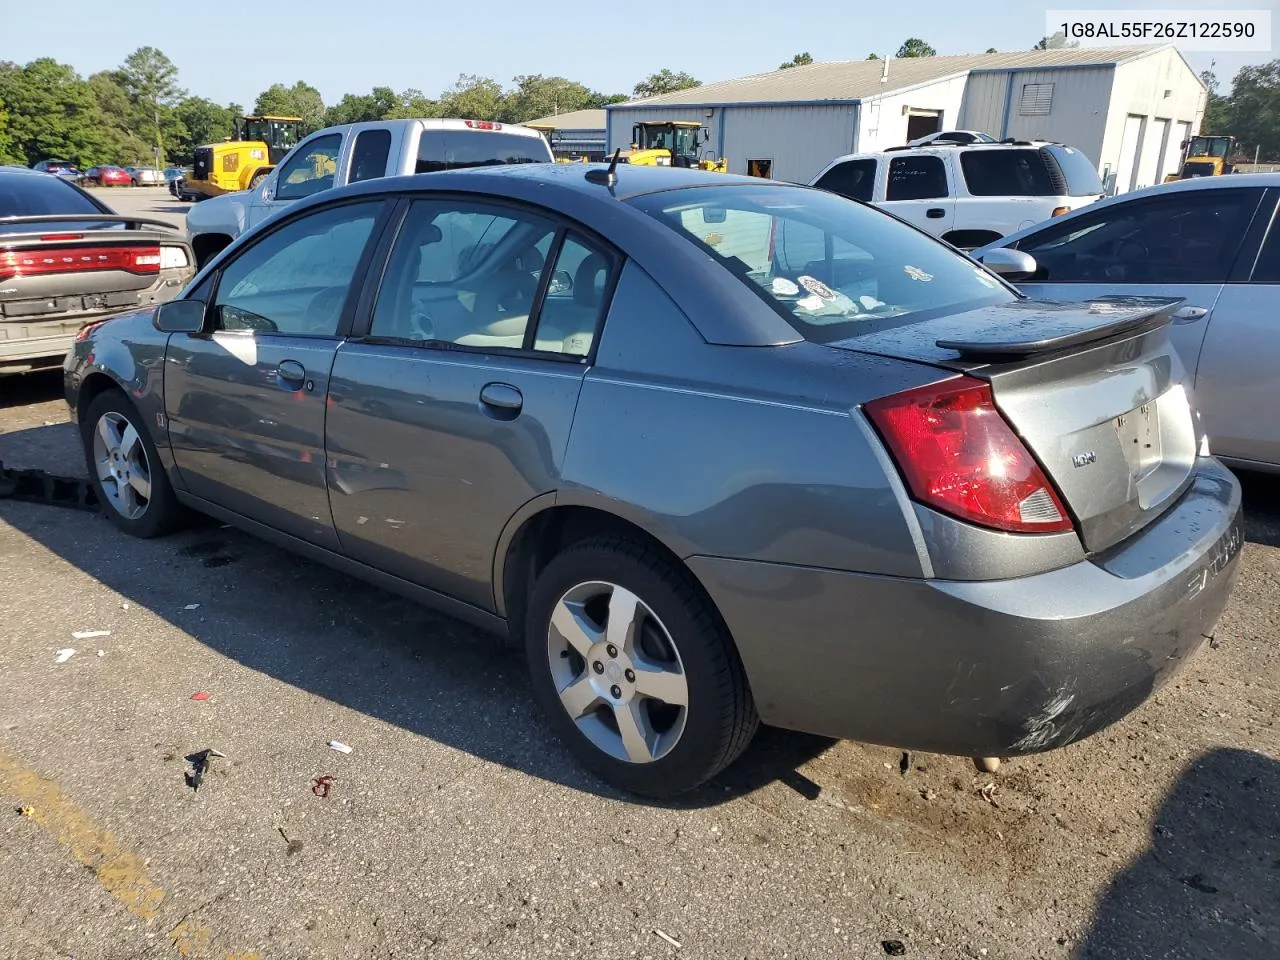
pixel 66 259
pixel 715 450
pixel 63 168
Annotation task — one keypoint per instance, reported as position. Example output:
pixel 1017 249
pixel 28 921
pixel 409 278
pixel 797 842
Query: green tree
pixel 599 100
pixel 474 98
pixel 151 79
pixel 203 121
pixel 414 104
pixel 992 50
pixel 799 60
pixel 119 122
pixel 873 56
pixel 537 96
pixel 1056 41
pixel 915 47
pixel 362 107
pixel 300 100
pixel 51 113
pixel 1252 112
pixel 664 81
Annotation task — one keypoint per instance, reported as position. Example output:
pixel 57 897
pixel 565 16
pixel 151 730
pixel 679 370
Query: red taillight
pixel 40 261
pixel 958 455
pixel 61 237
pixel 482 125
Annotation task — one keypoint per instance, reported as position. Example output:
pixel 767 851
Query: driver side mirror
pixel 1009 263
pixel 179 316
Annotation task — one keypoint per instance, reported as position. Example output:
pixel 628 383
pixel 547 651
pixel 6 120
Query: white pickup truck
pixel 352 152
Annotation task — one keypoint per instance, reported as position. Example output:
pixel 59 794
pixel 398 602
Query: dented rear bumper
pixel 987 668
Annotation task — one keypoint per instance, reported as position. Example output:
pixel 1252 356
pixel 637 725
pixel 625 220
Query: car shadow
pixel 1261 507
pixel 28 388
pixel 1209 884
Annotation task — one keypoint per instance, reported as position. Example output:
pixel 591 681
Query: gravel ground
pixel 458 827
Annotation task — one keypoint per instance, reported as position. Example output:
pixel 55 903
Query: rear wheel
pixel 125 468
pixel 635 670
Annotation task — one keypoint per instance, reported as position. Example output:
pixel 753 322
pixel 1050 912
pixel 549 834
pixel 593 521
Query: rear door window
pixel 916 178
pixel 369 155
pixel 855 179
pixel 457 149
pixel 1008 173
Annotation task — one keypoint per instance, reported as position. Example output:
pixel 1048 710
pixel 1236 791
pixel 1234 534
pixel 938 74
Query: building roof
pixel 860 79
pixel 577 120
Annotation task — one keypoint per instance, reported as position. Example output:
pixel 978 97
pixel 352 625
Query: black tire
pixel 162 513
pixel 720 719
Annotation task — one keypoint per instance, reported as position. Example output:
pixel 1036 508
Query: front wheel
pixel 125 468
pixel 635 670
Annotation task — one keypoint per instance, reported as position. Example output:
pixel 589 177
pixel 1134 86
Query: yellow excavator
pixel 671 143
pixel 1205 157
pixel 242 162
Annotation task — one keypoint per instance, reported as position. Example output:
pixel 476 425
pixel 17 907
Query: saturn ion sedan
pixel 714 451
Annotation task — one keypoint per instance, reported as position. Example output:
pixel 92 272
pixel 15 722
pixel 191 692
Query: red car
pixel 108 176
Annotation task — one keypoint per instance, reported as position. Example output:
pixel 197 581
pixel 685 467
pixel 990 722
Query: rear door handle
pixel 1189 314
pixel 935 213
pixel 292 372
pixel 502 397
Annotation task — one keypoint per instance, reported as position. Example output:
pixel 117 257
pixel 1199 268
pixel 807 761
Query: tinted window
pixel 311 169
pixel 1178 238
pixel 575 299
pixel 465 273
pixel 832 268
pixel 1267 269
pixel 855 179
pixel 28 195
pixel 1082 176
pixel 916 178
pixel 369 155
pixel 296 279
pixel 1008 173
pixel 454 149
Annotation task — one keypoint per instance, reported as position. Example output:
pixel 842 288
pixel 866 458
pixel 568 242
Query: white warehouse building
pixel 1128 109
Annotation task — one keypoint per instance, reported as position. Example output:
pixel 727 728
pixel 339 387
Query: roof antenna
pixel 606 177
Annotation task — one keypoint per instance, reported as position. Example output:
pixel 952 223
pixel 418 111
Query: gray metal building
pixel 580 133
pixel 1128 109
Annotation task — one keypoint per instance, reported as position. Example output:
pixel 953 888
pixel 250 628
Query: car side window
pixel 463 272
pixel 369 155
pixel 854 179
pixel 916 178
pixel 310 169
pixel 1267 268
pixel 1178 238
pixel 296 279
pixel 576 298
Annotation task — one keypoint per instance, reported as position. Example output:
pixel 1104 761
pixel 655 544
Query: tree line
pixel 139 111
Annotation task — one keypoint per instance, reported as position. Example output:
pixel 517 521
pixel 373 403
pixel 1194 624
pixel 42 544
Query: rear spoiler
pixel 1053 330
pixel 86 218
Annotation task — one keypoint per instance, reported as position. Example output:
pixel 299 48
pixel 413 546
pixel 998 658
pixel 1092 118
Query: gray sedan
pixel 713 450
pixel 1214 241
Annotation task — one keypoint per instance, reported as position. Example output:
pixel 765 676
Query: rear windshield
pixel 29 195
pixel 832 268
pixel 1082 175
pixel 455 149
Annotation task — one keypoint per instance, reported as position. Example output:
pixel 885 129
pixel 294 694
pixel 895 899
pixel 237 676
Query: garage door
pixel 1152 153
pixel 1127 168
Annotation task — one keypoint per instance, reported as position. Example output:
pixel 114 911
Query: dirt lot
pixel 458 827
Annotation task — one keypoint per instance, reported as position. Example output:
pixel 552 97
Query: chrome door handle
pixel 291 371
pixel 1189 314
pixel 502 396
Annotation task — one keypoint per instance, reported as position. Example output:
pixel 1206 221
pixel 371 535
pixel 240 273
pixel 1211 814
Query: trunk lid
pixel 1095 390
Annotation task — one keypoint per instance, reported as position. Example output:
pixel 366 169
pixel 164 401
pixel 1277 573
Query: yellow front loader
pixel 260 142
pixel 672 143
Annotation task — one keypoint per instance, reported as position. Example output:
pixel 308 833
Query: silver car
pixel 1213 241
pixel 713 450
pixel 145 176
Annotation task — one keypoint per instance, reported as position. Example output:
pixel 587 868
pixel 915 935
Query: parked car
pixel 969 194
pixel 63 168
pixel 178 187
pixel 66 260
pixel 173 173
pixel 108 176
pixel 145 176
pixel 1211 241
pixel 713 449
pixel 361 151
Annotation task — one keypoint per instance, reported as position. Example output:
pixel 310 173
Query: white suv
pixel 969 194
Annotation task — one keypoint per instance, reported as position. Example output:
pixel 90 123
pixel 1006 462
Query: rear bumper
pixel 990 668
pixel 37 353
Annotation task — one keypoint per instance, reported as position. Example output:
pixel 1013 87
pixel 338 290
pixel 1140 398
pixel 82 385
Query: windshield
pixel 274 133
pixel 831 267
pixel 1208 147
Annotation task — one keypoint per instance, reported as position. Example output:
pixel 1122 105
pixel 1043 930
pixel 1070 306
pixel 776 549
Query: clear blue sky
pixel 345 47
